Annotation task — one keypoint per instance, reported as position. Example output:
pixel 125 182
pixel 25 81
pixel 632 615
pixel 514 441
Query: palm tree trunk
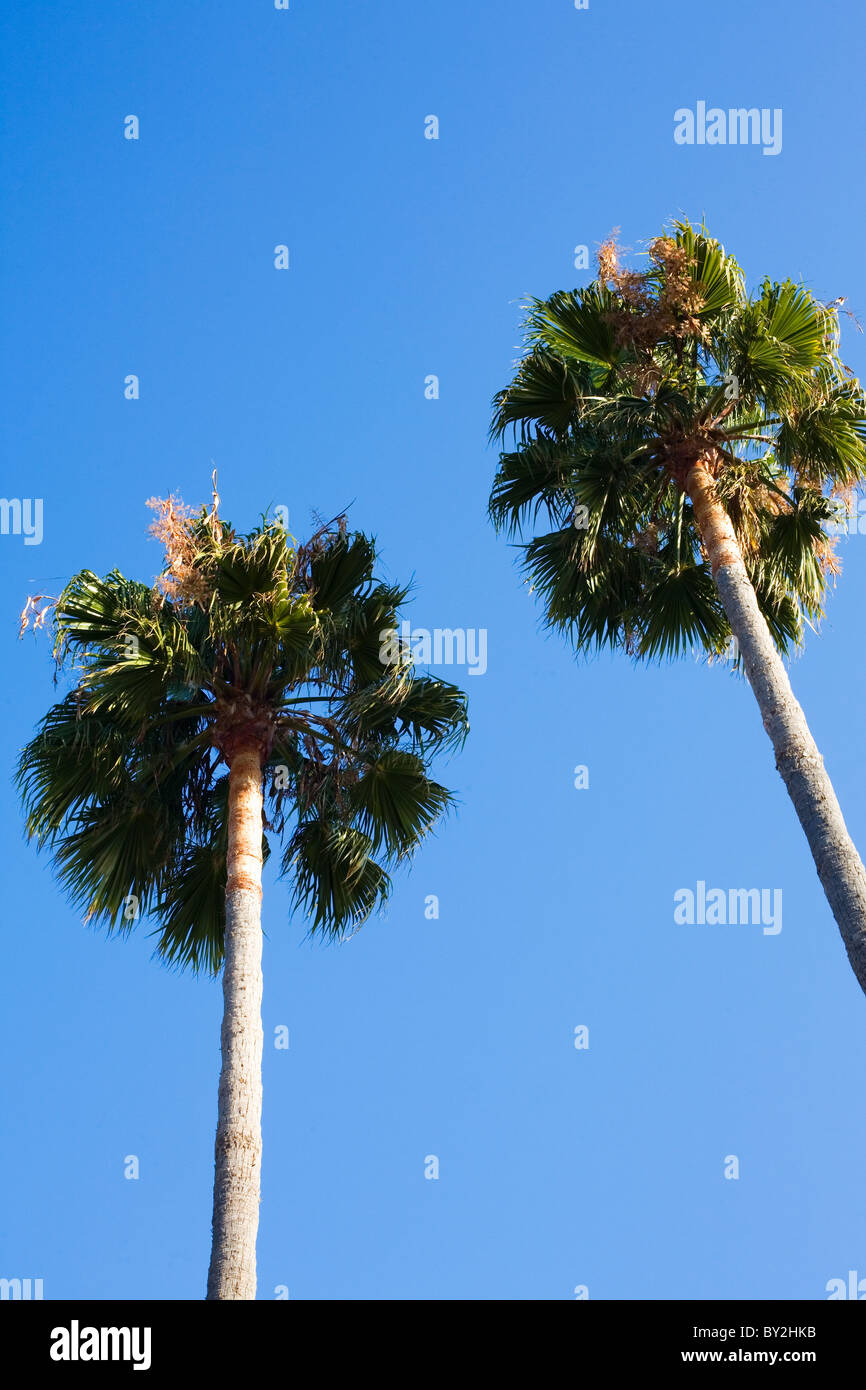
pixel 238 1151
pixel 797 758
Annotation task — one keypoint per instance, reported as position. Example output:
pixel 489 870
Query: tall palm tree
pixel 690 445
pixel 251 693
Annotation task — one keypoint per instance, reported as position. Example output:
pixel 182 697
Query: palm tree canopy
pixel 243 639
pixel 623 385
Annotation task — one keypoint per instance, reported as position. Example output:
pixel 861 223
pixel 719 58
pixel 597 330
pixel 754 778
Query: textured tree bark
pixel 801 766
pixel 238 1150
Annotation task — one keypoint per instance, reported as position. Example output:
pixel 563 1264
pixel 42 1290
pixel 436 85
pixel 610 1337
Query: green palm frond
pixel 623 382
pixel 124 781
pixel 577 326
pixel 535 477
pixel 681 612
pixel 191 911
pixel 395 805
pixel 426 710
pixel 715 272
pixel 545 394
pixel 340 570
pixel 338 883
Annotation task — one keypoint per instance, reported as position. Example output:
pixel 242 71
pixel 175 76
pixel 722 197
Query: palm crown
pixel 622 386
pixel 244 637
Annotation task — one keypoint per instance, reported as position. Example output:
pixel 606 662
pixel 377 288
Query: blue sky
pixel 455 1037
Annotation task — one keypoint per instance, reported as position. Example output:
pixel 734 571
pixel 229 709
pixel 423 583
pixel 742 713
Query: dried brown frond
pixel 648 540
pixel 653 307
pixel 770 501
pixel 829 561
pixel 32 615
pixel 181 580
pixel 748 506
pixel 214 515
pixel 629 284
pixel 607 258
pixel 680 296
pixel 643 376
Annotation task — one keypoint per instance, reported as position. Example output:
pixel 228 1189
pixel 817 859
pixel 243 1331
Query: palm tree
pixel 689 446
pixel 253 692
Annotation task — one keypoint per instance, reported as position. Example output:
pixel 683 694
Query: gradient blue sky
pixel 453 1037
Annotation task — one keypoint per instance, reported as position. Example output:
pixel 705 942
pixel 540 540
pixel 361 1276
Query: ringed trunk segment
pixel 798 760
pixel 238 1148
pixel 714 525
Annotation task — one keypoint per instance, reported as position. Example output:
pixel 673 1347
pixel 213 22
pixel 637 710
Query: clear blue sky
pixel 454 1037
